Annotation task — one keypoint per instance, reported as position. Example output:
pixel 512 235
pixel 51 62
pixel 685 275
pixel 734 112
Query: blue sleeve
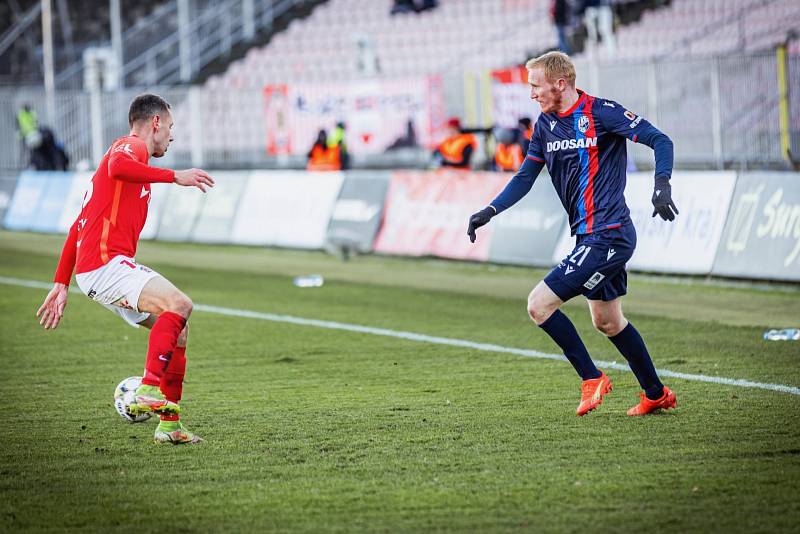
pixel 618 120
pixel 522 182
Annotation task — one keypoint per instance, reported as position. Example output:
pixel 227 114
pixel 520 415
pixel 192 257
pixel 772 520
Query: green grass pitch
pixel 315 430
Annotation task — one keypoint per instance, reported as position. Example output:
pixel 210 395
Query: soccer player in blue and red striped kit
pixel 582 139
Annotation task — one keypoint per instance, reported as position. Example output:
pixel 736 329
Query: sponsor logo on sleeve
pixel 633 118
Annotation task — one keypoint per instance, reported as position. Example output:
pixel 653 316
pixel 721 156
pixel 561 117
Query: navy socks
pixel 560 328
pixel 631 345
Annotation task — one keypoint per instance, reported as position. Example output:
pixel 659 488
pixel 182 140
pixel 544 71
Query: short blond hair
pixel 555 65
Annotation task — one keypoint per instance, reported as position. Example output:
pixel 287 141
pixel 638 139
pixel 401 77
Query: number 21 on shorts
pixel 580 254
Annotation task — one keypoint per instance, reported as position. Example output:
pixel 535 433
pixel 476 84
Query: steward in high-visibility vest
pixel 457 149
pixel 27 121
pixel 324 158
pixel 507 157
pixel 337 138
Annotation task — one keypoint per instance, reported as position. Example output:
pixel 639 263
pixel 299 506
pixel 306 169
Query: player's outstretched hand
pixel 52 309
pixel 479 219
pixel 662 199
pixel 194 178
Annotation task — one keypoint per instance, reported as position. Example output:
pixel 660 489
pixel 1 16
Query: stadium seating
pixel 476 34
pixel 707 27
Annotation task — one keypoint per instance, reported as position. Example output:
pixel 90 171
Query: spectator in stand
pixel 507 153
pixel 457 148
pixel 412 6
pixel 49 154
pixel 321 157
pixel 561 13
pixel 599 20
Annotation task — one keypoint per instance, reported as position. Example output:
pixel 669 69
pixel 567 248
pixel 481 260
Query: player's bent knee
pixel 609 327
pixel 537 312
pixel 181 304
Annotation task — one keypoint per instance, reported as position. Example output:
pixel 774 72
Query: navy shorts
pixel 596 266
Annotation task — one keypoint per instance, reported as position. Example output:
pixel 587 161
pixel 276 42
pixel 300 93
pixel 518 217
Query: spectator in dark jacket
pixel 49 155
pixel 561 13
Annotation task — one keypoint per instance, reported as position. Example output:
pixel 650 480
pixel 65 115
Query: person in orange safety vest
pixel 322 157
pixel 456 150
pixel 507 154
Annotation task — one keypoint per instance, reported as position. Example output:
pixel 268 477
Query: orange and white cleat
pixel 175 433
pixel 647 406
pixel 592 392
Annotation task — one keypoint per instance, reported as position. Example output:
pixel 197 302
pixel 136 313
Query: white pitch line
pixel 412 336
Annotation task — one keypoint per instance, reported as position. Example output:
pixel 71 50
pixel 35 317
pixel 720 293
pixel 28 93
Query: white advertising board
pixel 179 213
pixel 215 220
pixel 286 208
pixel 74 200
pixel 686 245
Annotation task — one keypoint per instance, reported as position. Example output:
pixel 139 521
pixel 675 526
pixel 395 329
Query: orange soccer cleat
pixel 592 392
pixel 647 406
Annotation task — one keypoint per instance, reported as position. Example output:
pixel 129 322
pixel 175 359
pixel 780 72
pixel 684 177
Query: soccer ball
pixel 124 395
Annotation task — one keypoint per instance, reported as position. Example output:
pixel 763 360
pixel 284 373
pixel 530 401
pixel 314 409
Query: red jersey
pixel 114 209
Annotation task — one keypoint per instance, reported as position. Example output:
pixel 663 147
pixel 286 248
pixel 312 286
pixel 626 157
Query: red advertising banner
pixel 426 213
pixel 511 97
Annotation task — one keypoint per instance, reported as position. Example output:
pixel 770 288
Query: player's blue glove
pixel 662 199
pixel 479 219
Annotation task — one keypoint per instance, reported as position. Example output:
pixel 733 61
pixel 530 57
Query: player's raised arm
pixel 130 170
pixel 622 122
pixel 126 164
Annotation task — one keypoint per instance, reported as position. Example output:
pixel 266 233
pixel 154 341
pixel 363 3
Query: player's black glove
pixel 479 219
pixel 662 199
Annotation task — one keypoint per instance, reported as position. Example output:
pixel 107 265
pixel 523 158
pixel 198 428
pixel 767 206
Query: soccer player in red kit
pixel 101 247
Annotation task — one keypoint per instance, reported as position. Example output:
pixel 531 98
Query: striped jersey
pixel 585 153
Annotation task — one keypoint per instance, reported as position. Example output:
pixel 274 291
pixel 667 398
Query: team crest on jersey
pixel 583 123
pixel 629 115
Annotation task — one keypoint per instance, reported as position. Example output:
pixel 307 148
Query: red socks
pixel 172 382
pixel 163 338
